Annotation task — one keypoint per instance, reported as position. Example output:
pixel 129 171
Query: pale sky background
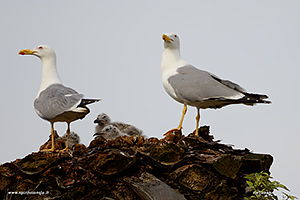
pixel 112 50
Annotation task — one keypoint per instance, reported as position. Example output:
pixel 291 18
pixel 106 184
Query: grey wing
pixel 192 84
pixel 228 83
pixel 55 100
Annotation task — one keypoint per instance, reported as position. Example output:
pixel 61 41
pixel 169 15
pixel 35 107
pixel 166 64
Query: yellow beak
pixel 166 38
pixel 26 51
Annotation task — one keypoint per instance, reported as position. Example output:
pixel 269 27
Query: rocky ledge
pixel 175 167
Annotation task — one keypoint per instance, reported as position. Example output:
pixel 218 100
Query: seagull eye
pixel 175 35
pixel 40 47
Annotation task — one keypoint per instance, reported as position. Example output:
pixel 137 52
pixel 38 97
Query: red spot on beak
pixel 22 53
pixel 167 39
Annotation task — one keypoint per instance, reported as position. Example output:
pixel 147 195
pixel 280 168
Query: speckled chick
pixel 73 138
pixel 104 120
pixel 110 132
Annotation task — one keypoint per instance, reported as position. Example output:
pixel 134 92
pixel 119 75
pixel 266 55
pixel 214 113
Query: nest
pixel 133 167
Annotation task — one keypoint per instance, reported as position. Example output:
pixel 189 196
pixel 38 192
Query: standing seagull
pixel 194 87
pixel 54 101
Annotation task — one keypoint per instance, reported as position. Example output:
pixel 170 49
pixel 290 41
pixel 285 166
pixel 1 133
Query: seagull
pixel 103 120
pixel 110 132
pixel 56 102
pixel 198 88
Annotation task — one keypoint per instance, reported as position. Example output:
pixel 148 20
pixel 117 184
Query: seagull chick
pixel 73 138
pixel 110 132
pixel 104 120
pixel 194 87
pixel 56 102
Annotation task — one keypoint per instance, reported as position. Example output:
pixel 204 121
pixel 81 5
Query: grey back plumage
pixel 55 100
pixel 206 90
pixel 229 84
pixel 192 84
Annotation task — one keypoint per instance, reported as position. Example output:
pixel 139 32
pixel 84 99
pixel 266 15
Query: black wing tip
pixel 267 102
pixel 89 101
pixel 261 97
pixel 95 100
pixel 257 98
pixel 252 101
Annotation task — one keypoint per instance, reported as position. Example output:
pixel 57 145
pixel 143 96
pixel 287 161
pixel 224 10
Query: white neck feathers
pixel 171 60
pixel 49 73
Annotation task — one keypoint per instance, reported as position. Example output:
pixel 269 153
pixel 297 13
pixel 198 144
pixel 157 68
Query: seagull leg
pixel 52 133
pixel 182 117
pixel 197 121
pixel 68 133
pixel 52 140
pixel 181 121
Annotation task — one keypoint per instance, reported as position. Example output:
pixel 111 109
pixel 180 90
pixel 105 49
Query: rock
pixel 167 154
pixel 194 177
pixel 148 187
pixel 228 165
pixel 109 162
pixel 134 168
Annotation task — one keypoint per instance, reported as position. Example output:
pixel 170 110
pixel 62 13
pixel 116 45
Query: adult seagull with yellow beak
pixel 194 87
pixel 54 101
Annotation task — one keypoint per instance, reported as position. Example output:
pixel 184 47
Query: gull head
pixel 171 40
pixel 110 132
pixel 41 51
pixel 102 119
